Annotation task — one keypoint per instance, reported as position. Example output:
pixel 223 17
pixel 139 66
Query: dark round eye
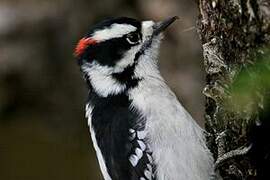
pixel 133 38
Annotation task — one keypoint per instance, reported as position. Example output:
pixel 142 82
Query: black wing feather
pixel 118 133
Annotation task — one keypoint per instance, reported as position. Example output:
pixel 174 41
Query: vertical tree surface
pixel 234 33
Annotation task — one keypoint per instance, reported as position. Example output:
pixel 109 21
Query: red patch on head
pixel 82 45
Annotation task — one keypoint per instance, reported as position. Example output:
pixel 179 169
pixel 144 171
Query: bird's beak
pixel 162 25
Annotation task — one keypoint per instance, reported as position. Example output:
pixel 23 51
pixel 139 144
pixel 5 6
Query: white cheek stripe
pixel 98 151
pixel 114 31
pixel 101 79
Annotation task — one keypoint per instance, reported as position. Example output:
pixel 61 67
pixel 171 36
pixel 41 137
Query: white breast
pixel 177 142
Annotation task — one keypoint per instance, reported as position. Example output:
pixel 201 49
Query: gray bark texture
pixel 233 34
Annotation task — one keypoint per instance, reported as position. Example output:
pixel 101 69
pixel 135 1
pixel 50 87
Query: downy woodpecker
pixel 139 129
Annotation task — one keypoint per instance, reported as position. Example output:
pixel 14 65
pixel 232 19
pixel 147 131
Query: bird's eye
pixel 133 38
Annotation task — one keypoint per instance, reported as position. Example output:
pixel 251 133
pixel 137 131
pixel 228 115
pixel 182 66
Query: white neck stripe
pixel 101 79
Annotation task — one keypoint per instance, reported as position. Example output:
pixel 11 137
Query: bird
pixel 139 129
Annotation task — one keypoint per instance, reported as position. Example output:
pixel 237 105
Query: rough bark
pixel 233 34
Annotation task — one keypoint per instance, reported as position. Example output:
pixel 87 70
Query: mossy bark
pixel 233 34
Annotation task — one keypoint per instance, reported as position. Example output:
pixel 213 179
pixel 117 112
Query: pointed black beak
pixel 162 25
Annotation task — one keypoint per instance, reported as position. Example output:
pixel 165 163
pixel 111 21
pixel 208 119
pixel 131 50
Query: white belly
pixel 177 142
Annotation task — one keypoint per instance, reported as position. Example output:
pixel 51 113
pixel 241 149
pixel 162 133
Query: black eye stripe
pixel 110 51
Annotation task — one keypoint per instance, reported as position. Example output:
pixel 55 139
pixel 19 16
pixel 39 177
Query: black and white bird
pixel 139 129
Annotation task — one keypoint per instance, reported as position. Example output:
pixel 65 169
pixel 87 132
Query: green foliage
pixel 251 85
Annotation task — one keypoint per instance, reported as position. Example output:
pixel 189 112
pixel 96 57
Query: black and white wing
pixel 121 140
pixel 140 158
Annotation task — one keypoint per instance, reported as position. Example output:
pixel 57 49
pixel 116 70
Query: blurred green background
pixel 43 133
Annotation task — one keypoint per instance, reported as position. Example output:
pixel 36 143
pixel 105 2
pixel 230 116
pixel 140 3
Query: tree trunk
pixel 233 33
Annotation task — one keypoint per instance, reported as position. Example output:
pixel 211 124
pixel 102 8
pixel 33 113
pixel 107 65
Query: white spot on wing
pixel 133 159
pixel 139 153
pixel 150 158
pixel 142 145
pixel 148 174
pixel 149 167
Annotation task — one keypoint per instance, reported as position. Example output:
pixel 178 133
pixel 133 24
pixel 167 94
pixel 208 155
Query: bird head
pixel 110 54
